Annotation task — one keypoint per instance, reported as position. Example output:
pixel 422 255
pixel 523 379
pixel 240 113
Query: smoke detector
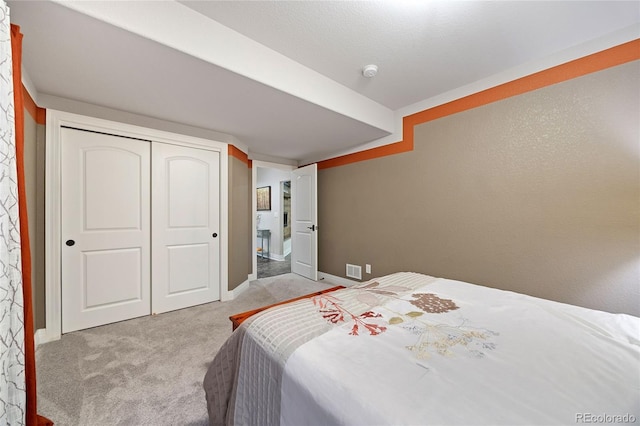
pixel 370 70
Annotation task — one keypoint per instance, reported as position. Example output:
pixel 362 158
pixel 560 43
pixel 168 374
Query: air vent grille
pixel 354 271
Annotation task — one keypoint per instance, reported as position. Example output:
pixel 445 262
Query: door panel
pixel 185 271
pixel 304 239
pixel 111 277
pixel 185 217
pixel 188 192
pixel 107 192
pixel 105 229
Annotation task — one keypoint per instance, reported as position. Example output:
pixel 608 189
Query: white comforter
pixel 411 349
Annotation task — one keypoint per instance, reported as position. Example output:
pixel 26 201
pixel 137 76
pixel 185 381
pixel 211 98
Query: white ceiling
pixel 283 78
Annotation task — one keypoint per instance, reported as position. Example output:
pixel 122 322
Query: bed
pixel 410 349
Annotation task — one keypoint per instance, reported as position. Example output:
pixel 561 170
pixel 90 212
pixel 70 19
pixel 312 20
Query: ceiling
pixel 284 78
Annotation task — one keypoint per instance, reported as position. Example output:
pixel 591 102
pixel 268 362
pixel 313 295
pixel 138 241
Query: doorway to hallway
pixel 270 268
pixel 270 218
pixel 273 221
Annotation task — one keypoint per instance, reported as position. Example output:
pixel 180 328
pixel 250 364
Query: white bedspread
pixel 462 354
pixel 409 349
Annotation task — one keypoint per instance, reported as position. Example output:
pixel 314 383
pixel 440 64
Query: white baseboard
pixel 240 289
pixel 41 336
pixel 337 280
pixel 274 256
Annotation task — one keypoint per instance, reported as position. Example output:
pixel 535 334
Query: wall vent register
pixel 354 271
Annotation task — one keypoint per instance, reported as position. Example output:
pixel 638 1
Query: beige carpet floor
pixel 149 370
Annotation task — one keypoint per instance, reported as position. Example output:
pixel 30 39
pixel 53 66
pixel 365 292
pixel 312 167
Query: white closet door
pixel 105 229
pixel 185 218
pixel 304 212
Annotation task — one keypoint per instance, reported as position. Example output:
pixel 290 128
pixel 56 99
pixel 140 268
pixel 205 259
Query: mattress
pixel 410 349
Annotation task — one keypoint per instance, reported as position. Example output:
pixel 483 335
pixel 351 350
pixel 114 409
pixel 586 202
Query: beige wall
pixel 538 193
pixel 240 248
pixel 34 182
pixel 38 252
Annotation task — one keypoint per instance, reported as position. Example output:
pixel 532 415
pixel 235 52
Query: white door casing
pixel 304 212
pixel 185 226
pixel 105 229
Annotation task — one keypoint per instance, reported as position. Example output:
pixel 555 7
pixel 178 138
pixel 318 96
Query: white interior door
pixel 105 229
pixel 185 218
pixel 304 212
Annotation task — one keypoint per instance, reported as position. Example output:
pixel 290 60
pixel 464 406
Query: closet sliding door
pixel 105 230
pixel 185 226
pixel 140 228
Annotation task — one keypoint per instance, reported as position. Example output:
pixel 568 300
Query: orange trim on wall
pixel 235 152
pixel 599 61
pixel 369 154
pixel 37 113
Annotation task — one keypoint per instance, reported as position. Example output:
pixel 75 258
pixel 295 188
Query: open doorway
pixel 286 218
pixel 273 220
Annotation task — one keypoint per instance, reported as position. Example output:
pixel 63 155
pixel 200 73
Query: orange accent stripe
pixel 369 154
pixel 37 113
pixel 41 118
pixel 599 61
pixel 235 152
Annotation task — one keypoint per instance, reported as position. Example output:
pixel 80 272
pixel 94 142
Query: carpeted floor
pixel 149 370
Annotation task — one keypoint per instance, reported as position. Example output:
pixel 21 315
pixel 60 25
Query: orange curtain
pixel 32 417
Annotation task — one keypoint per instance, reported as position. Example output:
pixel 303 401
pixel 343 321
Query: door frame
pixel 254 206
pixel 53 208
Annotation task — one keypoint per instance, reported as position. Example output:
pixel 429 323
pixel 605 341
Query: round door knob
pixel 70 243
pixel 214 235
